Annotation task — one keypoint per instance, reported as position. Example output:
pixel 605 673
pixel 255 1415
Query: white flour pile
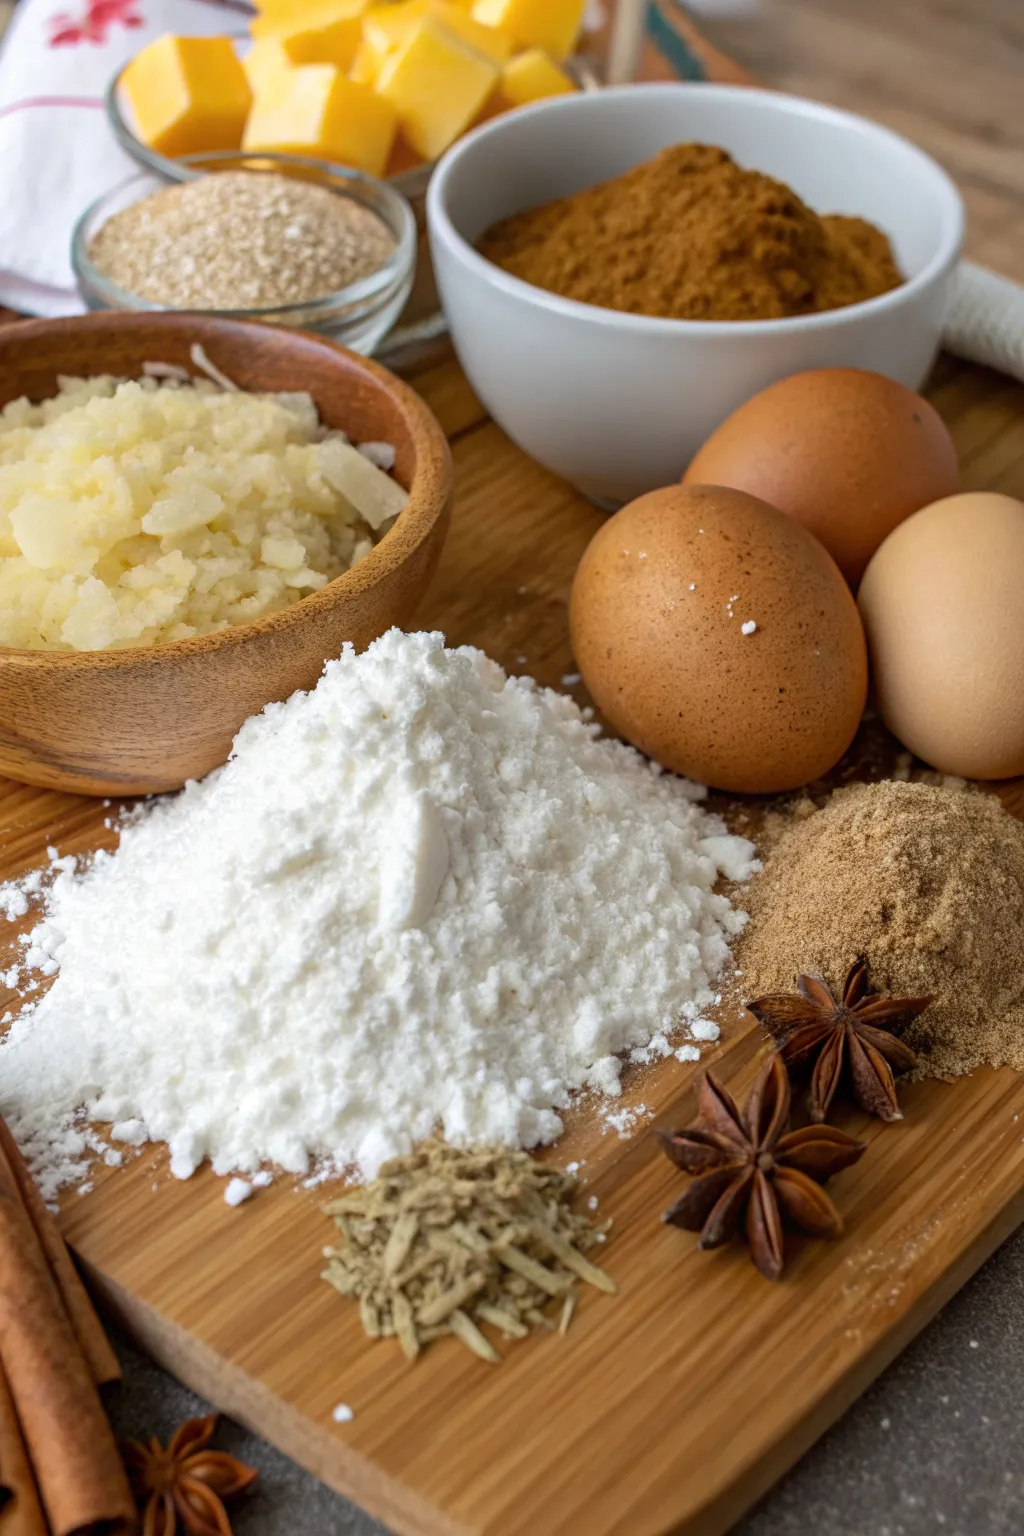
pixel 422 894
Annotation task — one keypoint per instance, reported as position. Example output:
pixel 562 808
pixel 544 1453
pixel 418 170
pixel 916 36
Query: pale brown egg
pixel 943 606
pixel 719 637
pixel 848 454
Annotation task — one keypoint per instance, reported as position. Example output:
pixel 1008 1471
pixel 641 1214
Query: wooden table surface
pixel 947 73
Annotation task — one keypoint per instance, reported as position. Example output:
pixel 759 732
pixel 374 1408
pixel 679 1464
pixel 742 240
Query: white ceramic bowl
pixel 618 403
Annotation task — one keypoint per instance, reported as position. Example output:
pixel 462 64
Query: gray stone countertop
pixel 933 1449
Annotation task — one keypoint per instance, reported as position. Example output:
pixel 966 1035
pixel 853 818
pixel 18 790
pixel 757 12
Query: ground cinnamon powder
pixel 690 235
pixel 928 882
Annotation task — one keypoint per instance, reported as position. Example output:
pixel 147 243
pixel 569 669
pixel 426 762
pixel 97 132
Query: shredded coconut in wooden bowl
pixel 134 513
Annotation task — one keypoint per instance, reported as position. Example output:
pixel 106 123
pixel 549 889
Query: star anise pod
pixel 184 1487
pixel 858 1033
pixel 748 1163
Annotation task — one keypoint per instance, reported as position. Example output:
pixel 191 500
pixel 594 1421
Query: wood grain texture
pixel 946 73
pixel 671 1407
pixel 141 720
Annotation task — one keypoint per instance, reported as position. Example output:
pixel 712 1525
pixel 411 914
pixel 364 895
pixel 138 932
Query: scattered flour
pixel 422 895
pixel 343 1414
pixel 625 1121
pixel 704 1029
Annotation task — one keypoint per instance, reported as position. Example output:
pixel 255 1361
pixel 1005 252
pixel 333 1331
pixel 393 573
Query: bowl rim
pixel 427 505
pixel 953 217
pixel 379 285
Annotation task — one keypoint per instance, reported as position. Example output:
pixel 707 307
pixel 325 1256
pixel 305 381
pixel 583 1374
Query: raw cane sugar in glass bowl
pixel 358 314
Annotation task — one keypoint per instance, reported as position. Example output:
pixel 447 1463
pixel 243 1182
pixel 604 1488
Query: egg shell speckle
pixel 847 453
pixel 943 606
pixel 657 611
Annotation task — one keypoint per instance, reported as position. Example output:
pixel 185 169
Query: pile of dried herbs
pixel 447 1239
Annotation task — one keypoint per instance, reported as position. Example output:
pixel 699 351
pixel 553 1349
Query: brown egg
pixel 719 637
pixel 941 603
pixel 846 453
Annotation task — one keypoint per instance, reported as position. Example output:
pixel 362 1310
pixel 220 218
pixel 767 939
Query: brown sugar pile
pixel 928 883
pixel 690 235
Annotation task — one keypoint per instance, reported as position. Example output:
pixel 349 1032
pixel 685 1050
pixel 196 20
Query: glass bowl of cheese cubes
pixel 384 88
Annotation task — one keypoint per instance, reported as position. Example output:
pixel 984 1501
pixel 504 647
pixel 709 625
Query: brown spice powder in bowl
pixel 928 883
pixel 690 235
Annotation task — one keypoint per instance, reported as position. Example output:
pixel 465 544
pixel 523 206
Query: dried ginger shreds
pixel 928 883
pixel 448 1239
pixel 422 896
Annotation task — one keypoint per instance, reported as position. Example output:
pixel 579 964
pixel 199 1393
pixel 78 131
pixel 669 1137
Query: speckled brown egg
pixel 719 637
pixel 941 603
pixel 848 454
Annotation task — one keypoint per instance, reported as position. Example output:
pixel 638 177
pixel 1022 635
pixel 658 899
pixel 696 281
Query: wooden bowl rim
pixel 430 493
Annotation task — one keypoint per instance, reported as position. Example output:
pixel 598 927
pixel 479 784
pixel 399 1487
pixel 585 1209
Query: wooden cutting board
pixel 671 1407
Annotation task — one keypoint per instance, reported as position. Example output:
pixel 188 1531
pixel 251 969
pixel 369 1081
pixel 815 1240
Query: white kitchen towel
pixel 986 320
pixel 57 151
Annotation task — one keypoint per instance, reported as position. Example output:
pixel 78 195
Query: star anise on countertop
pixel 748 1163
pixel 184 1487
pixel 857 1032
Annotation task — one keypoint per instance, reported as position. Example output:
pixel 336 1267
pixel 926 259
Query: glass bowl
pixel 359 316
pixel 422 322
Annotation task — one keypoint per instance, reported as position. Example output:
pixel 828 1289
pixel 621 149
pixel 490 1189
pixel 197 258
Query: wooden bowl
pixel 128 722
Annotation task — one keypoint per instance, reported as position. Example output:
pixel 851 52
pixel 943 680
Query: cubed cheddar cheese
pixel 289 10
pixel 488 40
pixel 386 27
pixel 549 24
pixel 317 34
pixel 316 110
pixel 314 12
pixel 437 84
pixel 365 67
pixel 266 59
pixel 531 76
pixel 188 94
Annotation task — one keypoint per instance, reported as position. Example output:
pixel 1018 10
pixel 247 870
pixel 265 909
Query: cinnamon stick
pixel 95 1345
pixel 22 1514
pixel 69 1442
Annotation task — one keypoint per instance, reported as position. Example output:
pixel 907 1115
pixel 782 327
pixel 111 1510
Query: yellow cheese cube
pixel 319 34
pixel 389 26
pixel 437 85
pixel 549 24
pixel 289 12
pixel 365 67
pixel 316 110
pixel 188 94
pixel 386 27
pixel 488 40
pixel 265 60
pixel 531 76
